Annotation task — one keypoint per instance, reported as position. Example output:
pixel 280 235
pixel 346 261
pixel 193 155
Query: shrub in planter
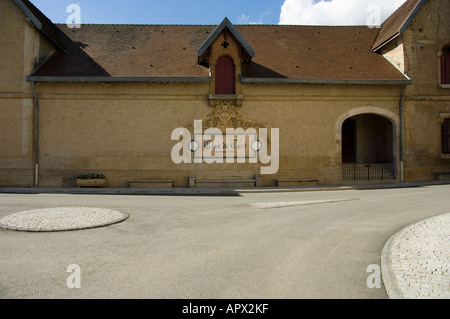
pixel 91 179
pixel 90 175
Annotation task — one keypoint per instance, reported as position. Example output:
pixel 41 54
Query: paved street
pixel 315 244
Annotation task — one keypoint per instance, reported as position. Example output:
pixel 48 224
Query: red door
pixel 225 76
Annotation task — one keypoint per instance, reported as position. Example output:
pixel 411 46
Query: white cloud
pixel 245 19
pixel 337 12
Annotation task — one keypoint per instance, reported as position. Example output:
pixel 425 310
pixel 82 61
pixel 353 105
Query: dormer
pixel 223 53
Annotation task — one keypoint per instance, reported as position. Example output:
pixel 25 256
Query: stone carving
pixel 226 116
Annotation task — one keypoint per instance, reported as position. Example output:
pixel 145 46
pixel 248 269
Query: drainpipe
pixel 402 177
pixel 36 137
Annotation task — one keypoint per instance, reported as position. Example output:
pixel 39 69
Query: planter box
pixel 91 182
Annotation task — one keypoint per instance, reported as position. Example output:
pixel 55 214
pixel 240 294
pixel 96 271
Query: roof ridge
pixel 215 25
pixel 142 24
pixel 396 12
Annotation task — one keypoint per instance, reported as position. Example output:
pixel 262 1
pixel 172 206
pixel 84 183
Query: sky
pixel 212 12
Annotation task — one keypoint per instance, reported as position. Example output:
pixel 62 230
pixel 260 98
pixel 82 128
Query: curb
pixel 209 191
pixel 389 279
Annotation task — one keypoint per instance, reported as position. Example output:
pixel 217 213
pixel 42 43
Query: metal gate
pixel 365 169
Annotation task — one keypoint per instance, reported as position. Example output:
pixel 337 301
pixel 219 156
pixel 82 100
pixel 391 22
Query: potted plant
pixel 91 179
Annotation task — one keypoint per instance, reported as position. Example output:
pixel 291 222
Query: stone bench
pixel 150 183
pixel 225 183
pixel 442 176
pixel 286 182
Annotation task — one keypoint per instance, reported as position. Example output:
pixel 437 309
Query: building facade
pixel 351 104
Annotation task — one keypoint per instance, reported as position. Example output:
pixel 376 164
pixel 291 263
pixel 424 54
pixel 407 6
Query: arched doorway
pixel 368 148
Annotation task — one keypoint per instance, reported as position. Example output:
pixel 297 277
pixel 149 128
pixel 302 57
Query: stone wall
pixel 16 100
pixel 124 130
pixel 426 101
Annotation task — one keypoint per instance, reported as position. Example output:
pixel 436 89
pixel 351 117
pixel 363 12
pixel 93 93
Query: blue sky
pixel 316 12
pixel 165 11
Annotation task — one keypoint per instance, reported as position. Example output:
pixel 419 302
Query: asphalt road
pixel 215 247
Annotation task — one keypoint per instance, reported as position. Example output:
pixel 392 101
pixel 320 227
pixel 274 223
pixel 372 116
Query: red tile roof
pixel 316 52
pixel 283 52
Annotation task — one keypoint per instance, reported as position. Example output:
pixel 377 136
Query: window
pixel 446 136
pixel 445 65
pixel 225 76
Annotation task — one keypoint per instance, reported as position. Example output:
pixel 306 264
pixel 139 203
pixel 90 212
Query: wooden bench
pixel 151 183
pixel 442 176
pixel 286 182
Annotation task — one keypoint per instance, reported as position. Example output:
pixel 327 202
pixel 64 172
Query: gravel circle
pixel 62 219
pixel 417 261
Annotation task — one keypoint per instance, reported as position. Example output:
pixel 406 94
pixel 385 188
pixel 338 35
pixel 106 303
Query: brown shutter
pixel 445 68
pixel 446 136
pixel 225 76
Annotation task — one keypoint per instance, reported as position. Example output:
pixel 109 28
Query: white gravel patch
pixel 62 219
pixel 269 205
pixel 420 260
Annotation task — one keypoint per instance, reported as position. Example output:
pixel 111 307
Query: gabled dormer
pixel 223 53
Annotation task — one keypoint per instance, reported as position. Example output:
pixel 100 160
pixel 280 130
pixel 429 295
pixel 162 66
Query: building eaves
pixel 119 79
pixel 325 81
pixel 40 21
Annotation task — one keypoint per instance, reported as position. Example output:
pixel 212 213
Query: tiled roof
pixel 316 52
pixel 281 52
pixel 397 22
pixel 128 51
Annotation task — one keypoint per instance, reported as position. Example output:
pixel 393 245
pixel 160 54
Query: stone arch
pixel 375 140
pixel 394 118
